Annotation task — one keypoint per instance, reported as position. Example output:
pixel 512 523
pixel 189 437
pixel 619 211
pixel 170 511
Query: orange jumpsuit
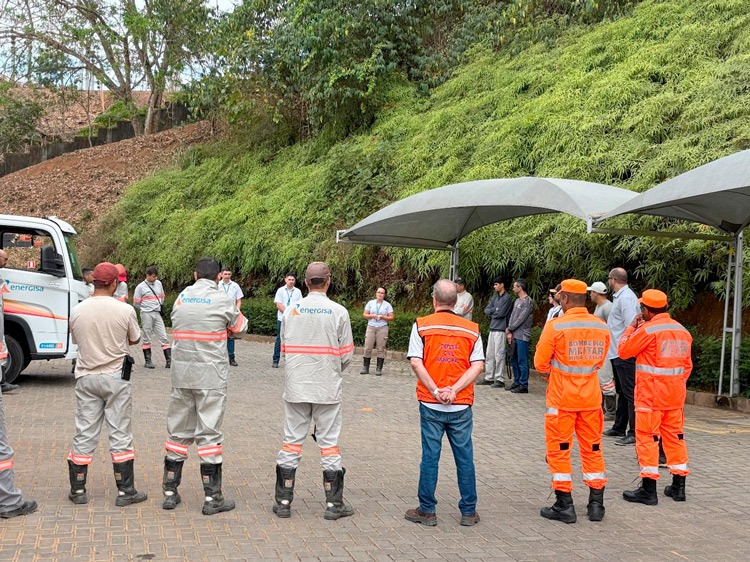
pixel 661 348
pixel 572 348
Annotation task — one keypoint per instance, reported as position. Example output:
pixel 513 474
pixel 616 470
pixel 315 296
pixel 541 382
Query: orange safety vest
pixel 448 342
pixel 661 348
pixel 572 348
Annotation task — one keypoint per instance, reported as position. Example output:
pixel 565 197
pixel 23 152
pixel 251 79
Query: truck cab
pixel 40 285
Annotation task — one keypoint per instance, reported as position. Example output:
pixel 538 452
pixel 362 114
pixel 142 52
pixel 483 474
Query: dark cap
pixel 317 273
pixel 459 281
pixel 105 274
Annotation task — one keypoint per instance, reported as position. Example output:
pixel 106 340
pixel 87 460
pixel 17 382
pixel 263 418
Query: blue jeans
pixel 457 425
pixel 277 345
pixel 230 347
pixel 520 363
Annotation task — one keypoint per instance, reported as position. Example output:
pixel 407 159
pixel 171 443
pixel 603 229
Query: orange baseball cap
pixel 653 298
pixel 574 286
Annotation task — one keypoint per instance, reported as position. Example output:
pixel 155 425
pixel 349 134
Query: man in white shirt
pixel 625 307
pixel 287 295
pixel 233 291
pixel 598 295
pixel 149 299
pixel 465 302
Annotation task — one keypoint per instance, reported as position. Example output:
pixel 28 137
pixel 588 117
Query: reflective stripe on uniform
pixel 123 457
pixel 650 469
pixel 665 328
pixel 678 466
pixel 660 370
pixel 446 327
pixel 329 451
pixel 176 447
pixel 210 450
pixel 238 326
pixel 199 336
pixel 292 448
pixel 562 477
pixel 594 476
pixel 552 411
pixel 571 370
pixel 6 464
pixel 80 459
pixel 316 349
pixel 581 324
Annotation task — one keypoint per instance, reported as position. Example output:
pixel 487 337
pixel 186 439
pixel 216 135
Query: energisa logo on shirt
pixel 191 300
pixel 307 310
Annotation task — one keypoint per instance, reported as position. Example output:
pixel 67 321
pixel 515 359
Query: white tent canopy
pixel 437 219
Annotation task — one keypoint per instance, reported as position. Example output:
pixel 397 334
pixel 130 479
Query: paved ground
pixel 381 450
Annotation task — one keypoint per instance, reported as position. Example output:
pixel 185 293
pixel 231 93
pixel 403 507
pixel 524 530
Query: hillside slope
pixel 630 102
pixel 82 186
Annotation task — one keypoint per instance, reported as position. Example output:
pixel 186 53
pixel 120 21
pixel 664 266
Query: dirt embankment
pixel 81 186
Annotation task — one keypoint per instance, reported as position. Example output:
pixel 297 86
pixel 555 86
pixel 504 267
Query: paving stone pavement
pixel 381 450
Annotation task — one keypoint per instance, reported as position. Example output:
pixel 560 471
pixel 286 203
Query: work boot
pixel 170 483
pixel 28 506
pixel 232 362
pixel 284 491
pixel 215 502
pixel 333 484
pixel 77 473
pixel 366 367
pixel 379 369
pixel 562 510
pixel 147 357
pixel 124 478
pixel 168 357
pixel 645 494
pixel 676 490
pixel 595 508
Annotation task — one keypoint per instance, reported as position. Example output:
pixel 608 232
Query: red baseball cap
pixel 104 274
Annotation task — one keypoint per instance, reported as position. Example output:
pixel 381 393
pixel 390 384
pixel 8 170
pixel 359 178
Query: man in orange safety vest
pixel 572 348
pixel 661 347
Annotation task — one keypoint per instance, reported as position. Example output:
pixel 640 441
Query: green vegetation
pixel 629 102
pixel 18 119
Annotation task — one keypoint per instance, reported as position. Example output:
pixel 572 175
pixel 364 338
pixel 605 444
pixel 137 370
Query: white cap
pixel 598 287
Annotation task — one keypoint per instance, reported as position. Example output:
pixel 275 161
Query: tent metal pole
pixel 734 378
pixel 725 326
pixel 657 234
pixel 453 271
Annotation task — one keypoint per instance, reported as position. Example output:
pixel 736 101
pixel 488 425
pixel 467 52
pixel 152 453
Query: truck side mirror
pixel 52 262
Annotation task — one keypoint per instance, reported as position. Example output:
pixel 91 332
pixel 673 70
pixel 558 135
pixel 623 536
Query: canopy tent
pixel 716 194
pixel 437 219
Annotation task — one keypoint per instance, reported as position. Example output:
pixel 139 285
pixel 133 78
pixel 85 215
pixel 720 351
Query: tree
pixel 18 120
pixel 124 44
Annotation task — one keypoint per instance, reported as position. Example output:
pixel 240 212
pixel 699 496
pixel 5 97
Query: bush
pixel 707 360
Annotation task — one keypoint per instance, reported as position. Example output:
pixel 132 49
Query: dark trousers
pixel 625 387
pixel 277 345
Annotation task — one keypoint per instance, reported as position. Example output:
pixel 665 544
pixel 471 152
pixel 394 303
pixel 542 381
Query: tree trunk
pixel 154 103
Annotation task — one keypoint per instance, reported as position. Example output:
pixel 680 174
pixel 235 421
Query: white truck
pixel 40 285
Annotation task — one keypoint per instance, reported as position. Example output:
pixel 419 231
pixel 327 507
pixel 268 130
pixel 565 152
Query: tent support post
pixel 734 378
pixel 453 272
pixel 725 326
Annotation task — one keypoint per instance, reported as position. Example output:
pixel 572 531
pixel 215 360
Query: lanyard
pixel 377 310
pixel 226 287
pixel 289 296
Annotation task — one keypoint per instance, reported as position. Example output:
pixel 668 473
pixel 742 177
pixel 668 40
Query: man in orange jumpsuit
pixel 661 347
pixel 572 348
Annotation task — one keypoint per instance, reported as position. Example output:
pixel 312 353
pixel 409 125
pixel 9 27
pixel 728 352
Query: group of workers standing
pixel 446 355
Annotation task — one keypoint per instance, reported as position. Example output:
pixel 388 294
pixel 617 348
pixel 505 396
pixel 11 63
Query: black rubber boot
pixel 379 370
pixel 284 491
pixel 124 478
pixel 676 490
pixel 147 357
pixel 562 510
pixel 170 483
pixel 595 508
pixel 333 484
pixel 215 502
pixel 645 494
pixel 168 357
pixel 78 473
pixel 366 368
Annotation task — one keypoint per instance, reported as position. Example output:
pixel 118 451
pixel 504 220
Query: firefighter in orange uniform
pixel 572 348
pixel 661 347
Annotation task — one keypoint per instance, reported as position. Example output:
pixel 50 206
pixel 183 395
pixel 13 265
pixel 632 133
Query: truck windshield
pixel 73 255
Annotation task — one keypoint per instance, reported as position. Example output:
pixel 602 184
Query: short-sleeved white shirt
pixel 287 297
pixel 383 309
pixel 231 289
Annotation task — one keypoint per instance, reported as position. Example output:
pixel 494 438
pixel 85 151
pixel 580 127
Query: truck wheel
pixel 16 360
